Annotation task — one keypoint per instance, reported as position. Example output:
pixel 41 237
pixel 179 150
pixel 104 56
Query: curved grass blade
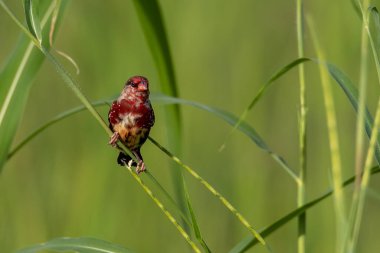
pixel 195 225
pixel 150 17
pixel 232 120
pixel 262 91
pixel 362 185
pixel 81 244
pixel 352 93
pixel 16 79
pixel 211 189
pixel 249 241
pixel 52 121
pixel 31 9
pixel 332 126
pixel 163 209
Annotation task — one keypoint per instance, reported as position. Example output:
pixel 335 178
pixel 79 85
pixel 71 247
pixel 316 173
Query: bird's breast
pixel 130 119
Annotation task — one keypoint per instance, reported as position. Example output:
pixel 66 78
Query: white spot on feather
pixel 129 119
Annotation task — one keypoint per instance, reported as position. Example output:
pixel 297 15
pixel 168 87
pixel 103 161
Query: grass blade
pixel 211 189
pixel 362 184
pixel 302 128
pixel 262 91
pixel 16 79
pixel 51 122
pixel 331 120
pixel 31 9
pixel 163 209
pixel 232 120
pixel 195 225
pixel 150 17
pixel 81 244
pixel 353 95
pixel 249 241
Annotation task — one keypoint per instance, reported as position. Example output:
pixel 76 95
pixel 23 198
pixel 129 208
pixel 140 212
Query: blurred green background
pixel 66 181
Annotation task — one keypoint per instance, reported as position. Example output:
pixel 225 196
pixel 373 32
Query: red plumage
pixel 130 118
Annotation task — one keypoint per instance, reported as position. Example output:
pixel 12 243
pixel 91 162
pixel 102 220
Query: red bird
pixel 131 116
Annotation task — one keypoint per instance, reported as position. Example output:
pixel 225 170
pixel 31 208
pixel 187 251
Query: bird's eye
pixel 131 83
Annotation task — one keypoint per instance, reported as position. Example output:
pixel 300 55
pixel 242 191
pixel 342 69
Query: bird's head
pixel 136 87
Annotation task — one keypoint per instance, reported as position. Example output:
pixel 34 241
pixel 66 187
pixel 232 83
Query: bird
pixel 130 118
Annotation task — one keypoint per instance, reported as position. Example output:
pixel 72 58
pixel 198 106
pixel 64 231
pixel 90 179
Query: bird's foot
pixel 130 163
pixel 114 138
pixel 140 167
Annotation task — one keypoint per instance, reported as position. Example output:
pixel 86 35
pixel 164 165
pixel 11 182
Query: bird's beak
pixel 143 86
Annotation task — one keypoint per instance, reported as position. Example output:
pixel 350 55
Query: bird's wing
pixel 113 114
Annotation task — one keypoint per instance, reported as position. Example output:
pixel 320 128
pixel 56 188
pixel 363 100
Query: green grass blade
pixel 358 204
pixel 164 210
pixel 262 91
pixel 362 185
pixel 376 19
pixel 151 20
pixel 332 127
pixel 276 76
pixel 213 191
pixel 31 9
pixel 249 241
pixel 16 79
pixel 168 197
pixel 195 225
pixel 232 120
pixel 81 244
pixel 52 121
pixel 302 129
pixel 353 95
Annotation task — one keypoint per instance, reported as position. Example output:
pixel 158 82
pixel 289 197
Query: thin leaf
pixel 52 121
pixel 332 130
pixel 16 79
pixel 31 8
pixel 164 210
pixel 195 225
pixel 249 241
pixel 352 94
pixel 263 90
pixel 375 14
pixel 302 129
pixel 213 191
pixel 359 195
pixel 150 17
pixel 81 244
pixel 232 120
pixel 273 78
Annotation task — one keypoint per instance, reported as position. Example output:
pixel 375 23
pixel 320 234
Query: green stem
pixel 164 210
pixel 301 196
pixel 224 201
pixel 362 182
pixel 336 166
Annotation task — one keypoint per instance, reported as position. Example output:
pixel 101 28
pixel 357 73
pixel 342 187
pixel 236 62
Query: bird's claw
pixel 140 167
pixel 114 138
pixel 130 164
